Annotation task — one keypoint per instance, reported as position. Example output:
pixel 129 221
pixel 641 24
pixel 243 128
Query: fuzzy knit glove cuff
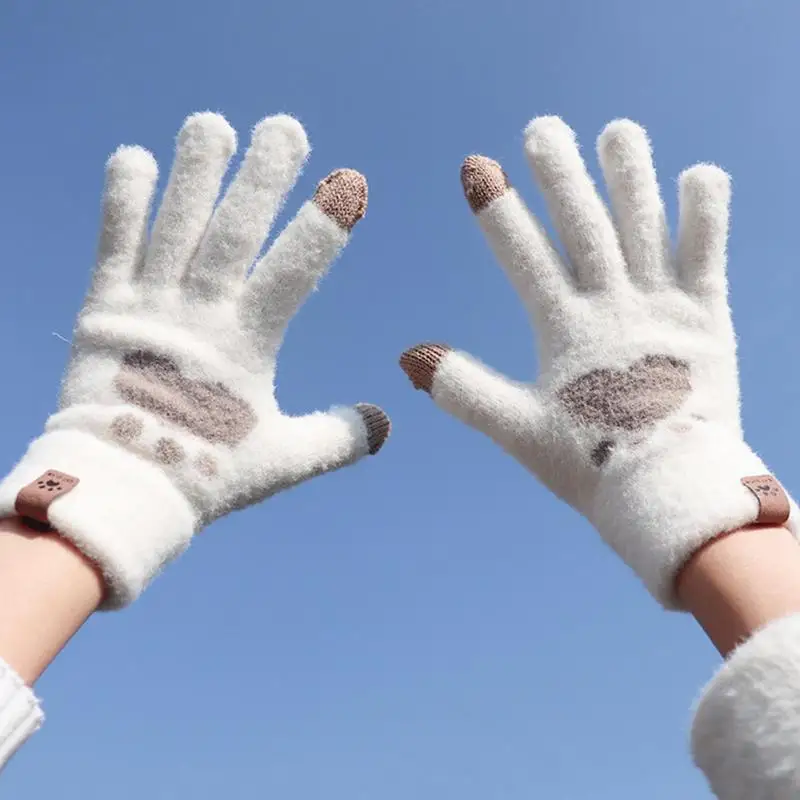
pixel 634 419
pixel 746 729
pixel 168 417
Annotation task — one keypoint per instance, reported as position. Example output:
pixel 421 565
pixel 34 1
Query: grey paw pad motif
pixel 602 452
pixel 169 452
pixel 126 428
pixel 649 390
pixel 211 411
pixel 206 465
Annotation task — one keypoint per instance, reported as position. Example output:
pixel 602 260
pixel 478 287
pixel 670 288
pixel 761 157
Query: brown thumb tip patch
pixel 342 196
pixel 377 423
pixel 421 362
pixel 483 180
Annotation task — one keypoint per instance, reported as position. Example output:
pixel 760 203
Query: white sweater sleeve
pixel 746 729
pixel 20 713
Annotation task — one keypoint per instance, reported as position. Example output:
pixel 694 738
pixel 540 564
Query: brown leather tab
pixel 773 504
pixel 34 500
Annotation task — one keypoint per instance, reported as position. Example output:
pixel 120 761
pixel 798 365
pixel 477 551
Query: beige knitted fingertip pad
pixel 342 196
pixel 420 364
pixel 377 423
pixel 483 180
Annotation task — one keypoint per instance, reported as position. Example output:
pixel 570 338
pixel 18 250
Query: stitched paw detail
pixel 206 465
pixel 628 400
pixel 648 391
pixel 169 452
pixel 53 482
pixel 602 452
pixel 129 430
pixel 211 411
pixel 126 428
pixel 765 488
pixel 157 385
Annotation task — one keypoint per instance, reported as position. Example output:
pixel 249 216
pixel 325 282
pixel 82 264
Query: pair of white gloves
pixel 168 418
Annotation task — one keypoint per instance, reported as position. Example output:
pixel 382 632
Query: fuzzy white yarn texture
pixel 634 419
pixel 168 416
pixel 746 729
pixel 20 713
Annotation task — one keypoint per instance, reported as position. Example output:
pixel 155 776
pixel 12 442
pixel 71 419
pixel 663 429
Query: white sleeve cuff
pixel 20 713
pixel 746 729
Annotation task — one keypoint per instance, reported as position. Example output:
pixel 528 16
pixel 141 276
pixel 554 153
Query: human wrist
pixel 47 591
pixel 124 514
pixel 740 582
pixel 660 502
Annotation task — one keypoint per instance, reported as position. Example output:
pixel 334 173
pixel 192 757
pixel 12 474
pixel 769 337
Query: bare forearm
pixel 743 589
pixel 740 582
pixel 47 591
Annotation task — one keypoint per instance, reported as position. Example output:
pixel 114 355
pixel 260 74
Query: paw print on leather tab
pixel 55 482
pixel 765 489
pixel 773 504
pixel 33 500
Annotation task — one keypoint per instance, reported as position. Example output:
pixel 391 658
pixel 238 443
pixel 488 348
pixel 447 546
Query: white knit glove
pixel 168 417
pixel 634 419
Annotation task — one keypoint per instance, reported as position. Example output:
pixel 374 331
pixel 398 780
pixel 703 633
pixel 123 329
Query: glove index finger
pixel 516 237
pixel 301 255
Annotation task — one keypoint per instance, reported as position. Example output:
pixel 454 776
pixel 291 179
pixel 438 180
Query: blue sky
pixel 430 623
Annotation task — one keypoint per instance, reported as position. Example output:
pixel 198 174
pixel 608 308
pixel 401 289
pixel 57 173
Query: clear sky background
pixel 431 623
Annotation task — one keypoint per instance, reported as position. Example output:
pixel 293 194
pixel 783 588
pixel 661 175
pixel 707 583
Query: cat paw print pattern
pixel 210 411
pixel 633 399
